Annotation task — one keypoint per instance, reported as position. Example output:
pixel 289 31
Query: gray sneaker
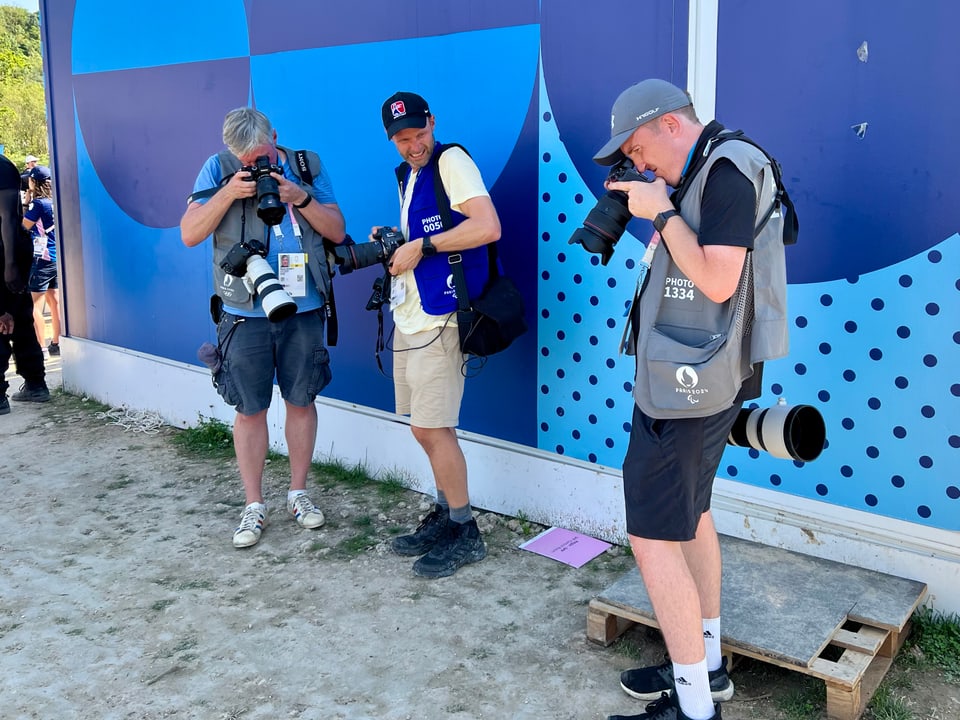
pixel 37 393
pixel 649 683
pixel 4 405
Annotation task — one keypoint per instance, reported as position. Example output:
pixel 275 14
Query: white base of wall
pixel 508 478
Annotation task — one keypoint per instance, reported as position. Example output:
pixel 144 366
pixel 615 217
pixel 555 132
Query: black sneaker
pixel 425 536
pixel 650 683
pixel 38 394
pixel 458 546
pixel 4 405
pixel 665 708
pixel 54 349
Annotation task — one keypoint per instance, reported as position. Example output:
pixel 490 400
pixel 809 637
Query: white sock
pixel 711 640
pixel 291 494
pixel 693 690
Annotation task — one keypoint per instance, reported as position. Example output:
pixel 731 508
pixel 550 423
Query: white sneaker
pixel 252 522
pixel 307 514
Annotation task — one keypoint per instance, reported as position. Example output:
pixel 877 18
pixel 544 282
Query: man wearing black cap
pixel 17 336
pixel 437 219
pixel 722 191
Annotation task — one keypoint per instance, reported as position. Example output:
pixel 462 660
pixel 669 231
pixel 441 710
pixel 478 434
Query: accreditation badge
pixel 293 273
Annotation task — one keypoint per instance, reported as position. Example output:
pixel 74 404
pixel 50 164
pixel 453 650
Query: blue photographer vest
pixel 426 216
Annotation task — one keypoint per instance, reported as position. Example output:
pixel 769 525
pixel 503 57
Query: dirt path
pixel 122 597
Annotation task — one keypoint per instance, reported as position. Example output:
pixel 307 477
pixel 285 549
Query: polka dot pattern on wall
pixel 876 354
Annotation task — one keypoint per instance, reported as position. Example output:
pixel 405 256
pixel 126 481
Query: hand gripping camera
pixel 353 257
pixel 605 223
pixel 269 207
pixel 350 257
pixel 246 260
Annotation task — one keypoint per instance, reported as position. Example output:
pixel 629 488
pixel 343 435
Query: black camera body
pixel 246 259
pixel 379 250
pixel 604 225
pixel 269 207
pixel 235 261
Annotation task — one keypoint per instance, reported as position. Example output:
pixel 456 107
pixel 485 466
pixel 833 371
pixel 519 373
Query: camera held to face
pixel 246 260
pixel 269 207
pixel 379 250
pixel 606 221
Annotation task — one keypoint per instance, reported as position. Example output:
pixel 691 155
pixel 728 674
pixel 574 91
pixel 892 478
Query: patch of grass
pixel 362 521
pixel 884 706
pixel 630 648
pixel 336 472
pixel 356 544
pixel 804 702
pixel 210 438
pixel 74 631
pixel 526 525
pixel 504 602
pixel 161 605
pixel 937 635
pixel 392 485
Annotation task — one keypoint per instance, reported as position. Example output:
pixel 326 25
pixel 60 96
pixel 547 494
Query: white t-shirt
pixel 461 181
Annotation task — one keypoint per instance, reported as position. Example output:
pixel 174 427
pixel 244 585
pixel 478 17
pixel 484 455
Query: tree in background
pixel 23 113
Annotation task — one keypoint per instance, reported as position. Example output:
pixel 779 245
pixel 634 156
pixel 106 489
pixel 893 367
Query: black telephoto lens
pixel 604 225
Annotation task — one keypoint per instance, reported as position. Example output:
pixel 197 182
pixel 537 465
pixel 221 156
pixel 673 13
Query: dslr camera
pixel 246 260
pixel 605 223
pixel 350 257
pixel 379 250
pixel 269 207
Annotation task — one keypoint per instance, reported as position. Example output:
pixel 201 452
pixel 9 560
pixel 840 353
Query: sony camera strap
pixel 301 167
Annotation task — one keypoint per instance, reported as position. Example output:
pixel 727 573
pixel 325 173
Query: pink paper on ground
pixel 567 546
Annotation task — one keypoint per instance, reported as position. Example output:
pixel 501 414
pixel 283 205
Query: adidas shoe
pixel 307 514
pixel 650 683
pixel 251 525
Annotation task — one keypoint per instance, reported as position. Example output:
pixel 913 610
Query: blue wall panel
pixel 854 107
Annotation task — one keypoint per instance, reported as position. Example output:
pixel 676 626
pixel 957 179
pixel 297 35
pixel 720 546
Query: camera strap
pixel 301 167
pixel 446 218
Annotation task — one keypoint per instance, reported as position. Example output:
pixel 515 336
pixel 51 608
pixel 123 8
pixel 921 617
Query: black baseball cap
pixel 404 110
pixel 40 173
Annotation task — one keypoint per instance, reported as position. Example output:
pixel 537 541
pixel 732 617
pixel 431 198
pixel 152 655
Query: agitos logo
pixel 687 379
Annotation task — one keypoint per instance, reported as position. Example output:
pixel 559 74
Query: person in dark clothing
pixel 17 336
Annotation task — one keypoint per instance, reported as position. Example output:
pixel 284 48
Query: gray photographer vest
pixel 231 289
pixel 692 358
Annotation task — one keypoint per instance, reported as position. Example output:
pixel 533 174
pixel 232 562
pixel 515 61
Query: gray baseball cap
pixel 637 105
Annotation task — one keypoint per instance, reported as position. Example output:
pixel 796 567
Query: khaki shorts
pixel 428 377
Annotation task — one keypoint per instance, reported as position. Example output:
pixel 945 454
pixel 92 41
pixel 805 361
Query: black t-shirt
pixel 728 217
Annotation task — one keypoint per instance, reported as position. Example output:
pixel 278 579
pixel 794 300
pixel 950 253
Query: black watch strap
pixel 306 201
pixel 427 248
pixel 661 219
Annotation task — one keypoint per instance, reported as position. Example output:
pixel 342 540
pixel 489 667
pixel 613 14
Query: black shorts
pixel 43 276
pixel 668 473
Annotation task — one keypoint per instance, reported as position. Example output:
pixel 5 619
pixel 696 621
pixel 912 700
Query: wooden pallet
pixel 841 624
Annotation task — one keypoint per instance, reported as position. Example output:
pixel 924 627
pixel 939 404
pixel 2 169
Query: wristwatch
pixel 426 248
pixel 661 219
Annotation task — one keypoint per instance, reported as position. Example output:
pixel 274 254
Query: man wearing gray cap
pixel 722 190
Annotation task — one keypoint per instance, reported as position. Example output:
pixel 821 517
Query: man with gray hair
pixel 723 236
pixel 270 208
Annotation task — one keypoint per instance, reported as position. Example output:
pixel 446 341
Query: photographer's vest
pixel 242 217
pixel 675 308
pixel 430 213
